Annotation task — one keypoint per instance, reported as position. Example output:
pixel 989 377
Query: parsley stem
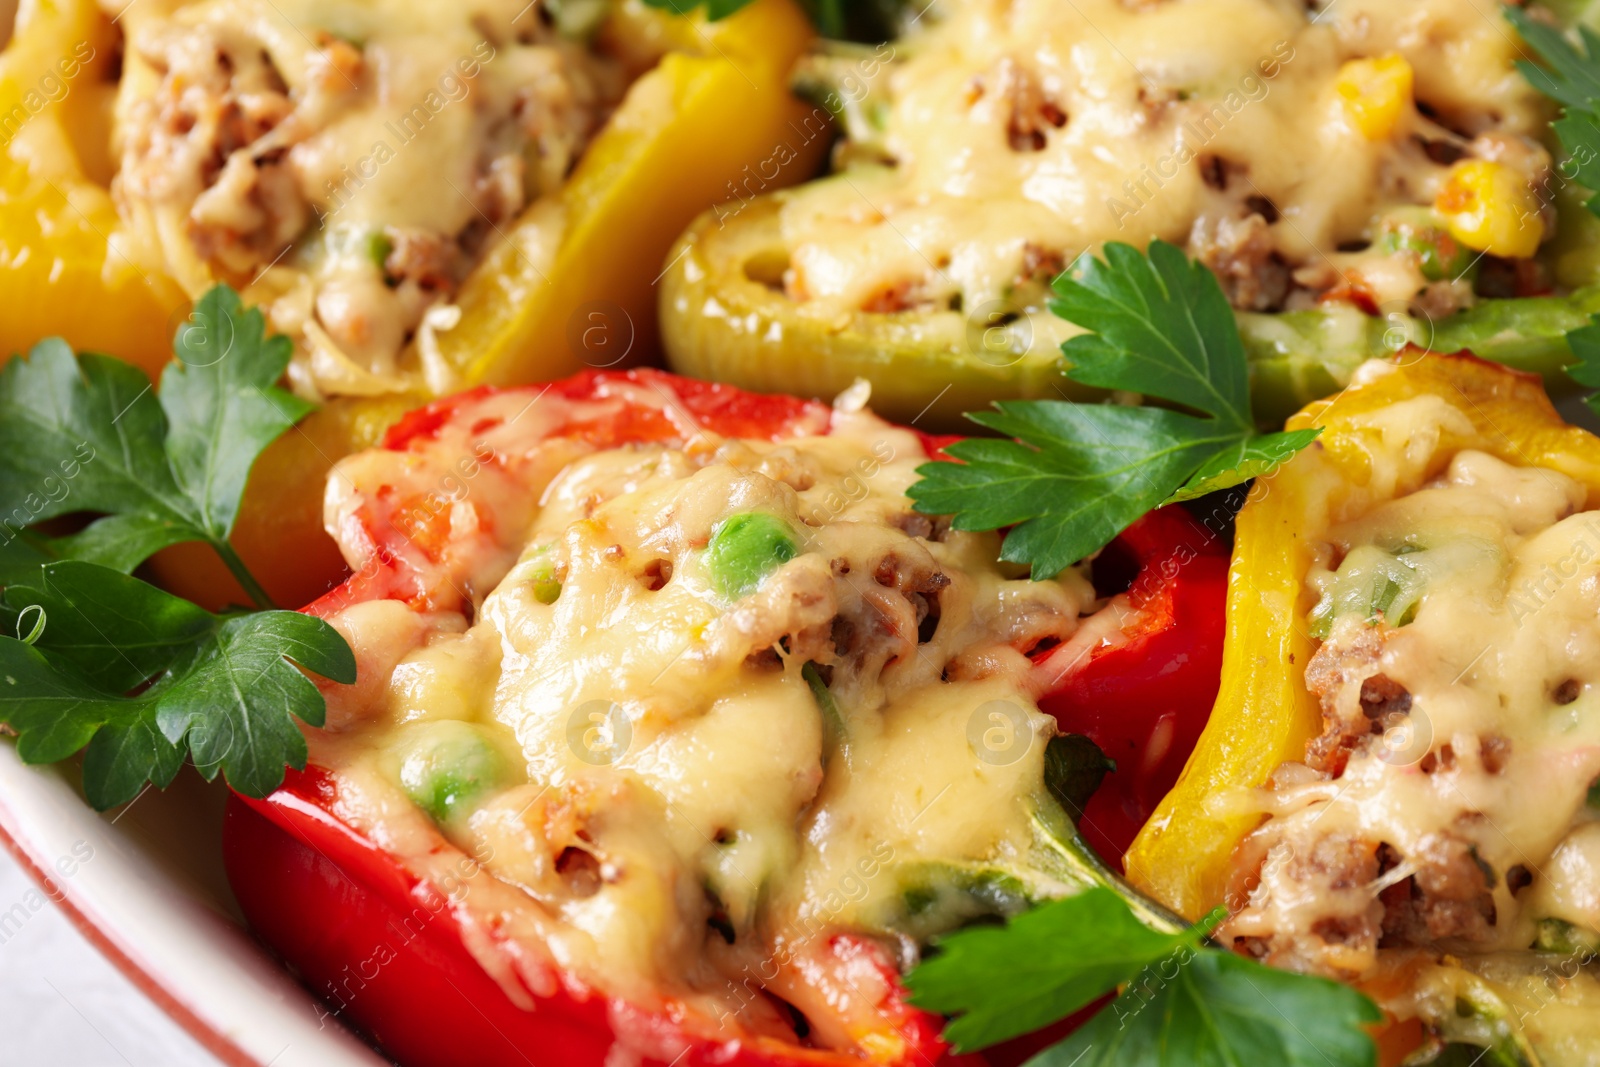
pixel 242 573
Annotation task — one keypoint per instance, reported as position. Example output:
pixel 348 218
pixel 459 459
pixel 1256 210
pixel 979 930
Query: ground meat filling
pixel 1241 253
pixel 1346 930
pixel 1381 704
pixel 199 140
pixel 1448 896
pixel 1447 805
pixel 1279 144
pixel 1441 890
pixel 1034 112
pixel 867 600
pixel 349 173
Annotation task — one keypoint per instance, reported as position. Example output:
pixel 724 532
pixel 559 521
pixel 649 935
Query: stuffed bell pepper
pixel 1396 785
pixel 659 722
pixel 421 197
pixel 678 734
pixel 1360 175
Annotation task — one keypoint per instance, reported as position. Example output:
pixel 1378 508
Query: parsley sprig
pixel 1181 1001
pixel 1069 477
pixel 90 434
pixel 1176 999
pixel 1571 77
pixel 101 660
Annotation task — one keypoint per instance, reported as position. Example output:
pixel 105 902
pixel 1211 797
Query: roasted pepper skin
pixel 342 913
pixel 1297 357
pixel 1264 714
pixel 724 318
pixel 713 120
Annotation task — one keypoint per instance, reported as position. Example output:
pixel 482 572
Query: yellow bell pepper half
pixel 60 273
pixel 1264 714
pixel 714 116
pixel 689 134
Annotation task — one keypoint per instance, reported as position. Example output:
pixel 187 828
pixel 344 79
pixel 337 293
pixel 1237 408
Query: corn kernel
pixel 1375 93
pixel 880 1047
pixel 1489 207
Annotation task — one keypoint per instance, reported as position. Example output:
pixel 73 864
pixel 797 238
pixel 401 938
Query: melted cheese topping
pixel 684 810
pixel 347 162
pixel 1445 807
pixel 1021 133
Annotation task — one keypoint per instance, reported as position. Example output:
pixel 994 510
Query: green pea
pixel 546 590
pixel 540 570
pixel 745 549
pixel 1557 935
pixel 447 766
pixel 379 248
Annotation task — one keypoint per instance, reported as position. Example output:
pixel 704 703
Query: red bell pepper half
pixel 385 949
pixel 385 952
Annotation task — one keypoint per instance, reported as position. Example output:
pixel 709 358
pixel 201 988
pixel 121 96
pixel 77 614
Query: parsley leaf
pixel 1068 477
pixel 1585 345
pixel 222 687
pixel 56 714
pixel 112 631
pixel 1160 325
pixel 20 557
pixel 1247 458
pixel 88 434
pixel 101 660
pixel 1182 1003
pixel 1571 78
pixel 1214 1007
pixel 1076 949
pixel 1073 476
pixel 715 9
